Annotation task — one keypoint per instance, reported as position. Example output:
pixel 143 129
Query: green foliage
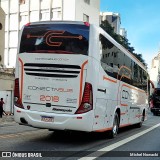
pixel 121 40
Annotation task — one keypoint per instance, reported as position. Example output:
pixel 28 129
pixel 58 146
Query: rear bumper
pixel 79 122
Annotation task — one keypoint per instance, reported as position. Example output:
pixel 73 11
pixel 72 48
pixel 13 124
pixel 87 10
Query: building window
pixel 44 16
pixel 56 13
pixel 22 1
pixel 85 18
pixel 87 1
pixel 0 26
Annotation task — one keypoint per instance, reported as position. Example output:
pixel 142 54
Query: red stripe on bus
pixel 110 80
pixel 139 115
pixel 125 125
pixel 123 113
pixel 103 130
pixel 81 81
pixel 124 105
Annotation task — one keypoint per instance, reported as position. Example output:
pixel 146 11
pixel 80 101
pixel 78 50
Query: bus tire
pixel 113 133
pixel 139 125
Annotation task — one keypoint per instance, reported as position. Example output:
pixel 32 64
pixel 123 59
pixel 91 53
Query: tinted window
pixel 114 61
pixel 158 92
pixel 55 38
pixel 118 65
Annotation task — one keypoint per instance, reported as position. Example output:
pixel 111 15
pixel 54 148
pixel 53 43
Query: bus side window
pixel 144 80
pixel 106 60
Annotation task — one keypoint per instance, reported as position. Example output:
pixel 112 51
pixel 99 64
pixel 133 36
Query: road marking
pixel 100 152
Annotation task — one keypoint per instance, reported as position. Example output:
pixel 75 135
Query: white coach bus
pixel 74 76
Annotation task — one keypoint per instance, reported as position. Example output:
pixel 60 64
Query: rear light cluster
pixel 87 24
pixel 17 99
pixel 151 104
pixel 28 24
pixel 87 100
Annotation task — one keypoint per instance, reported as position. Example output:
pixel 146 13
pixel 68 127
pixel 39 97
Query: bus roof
pixel 57 22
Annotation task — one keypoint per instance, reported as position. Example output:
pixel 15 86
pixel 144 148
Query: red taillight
pixel 87 100
pixel 16 88
pixel 17 99
pixel 28 24
pixel 151 104
pixel 87 24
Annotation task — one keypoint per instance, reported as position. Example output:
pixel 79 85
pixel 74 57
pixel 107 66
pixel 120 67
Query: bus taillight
pixel 28 24
pixel 87 24
pixel 151 104
pixel 87 100
pixel 17 99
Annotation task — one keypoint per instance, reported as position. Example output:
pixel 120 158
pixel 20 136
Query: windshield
pixel 55 38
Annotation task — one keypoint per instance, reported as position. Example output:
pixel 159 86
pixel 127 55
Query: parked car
pixel 155 101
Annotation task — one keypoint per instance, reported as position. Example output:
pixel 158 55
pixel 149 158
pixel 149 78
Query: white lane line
pixel 100 152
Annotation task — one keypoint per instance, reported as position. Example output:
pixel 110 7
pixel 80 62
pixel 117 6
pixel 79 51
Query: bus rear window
pixel 55 38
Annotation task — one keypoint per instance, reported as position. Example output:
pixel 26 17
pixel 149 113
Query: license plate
pixel 47 119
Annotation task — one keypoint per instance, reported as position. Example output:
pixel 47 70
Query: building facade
pixel 2 36
pixel 113 18
pixel 123 32
pixel 6 89
pixel 155 71
pixel 6 76
pixel 20 12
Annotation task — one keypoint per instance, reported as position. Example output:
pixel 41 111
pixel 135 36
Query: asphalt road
pixel 131 143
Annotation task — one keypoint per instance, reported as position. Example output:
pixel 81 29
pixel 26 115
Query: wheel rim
pixel 115 126
pixel 115 129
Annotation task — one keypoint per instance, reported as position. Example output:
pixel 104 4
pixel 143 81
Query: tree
pixel 121 40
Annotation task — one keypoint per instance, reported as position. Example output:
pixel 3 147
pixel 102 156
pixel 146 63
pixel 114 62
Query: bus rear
pixel 51 90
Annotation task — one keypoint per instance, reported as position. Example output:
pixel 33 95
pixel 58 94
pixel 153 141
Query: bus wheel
pixel 113 133
pixel 139 125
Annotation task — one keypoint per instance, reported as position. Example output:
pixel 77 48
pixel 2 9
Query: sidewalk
pixel 6 120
